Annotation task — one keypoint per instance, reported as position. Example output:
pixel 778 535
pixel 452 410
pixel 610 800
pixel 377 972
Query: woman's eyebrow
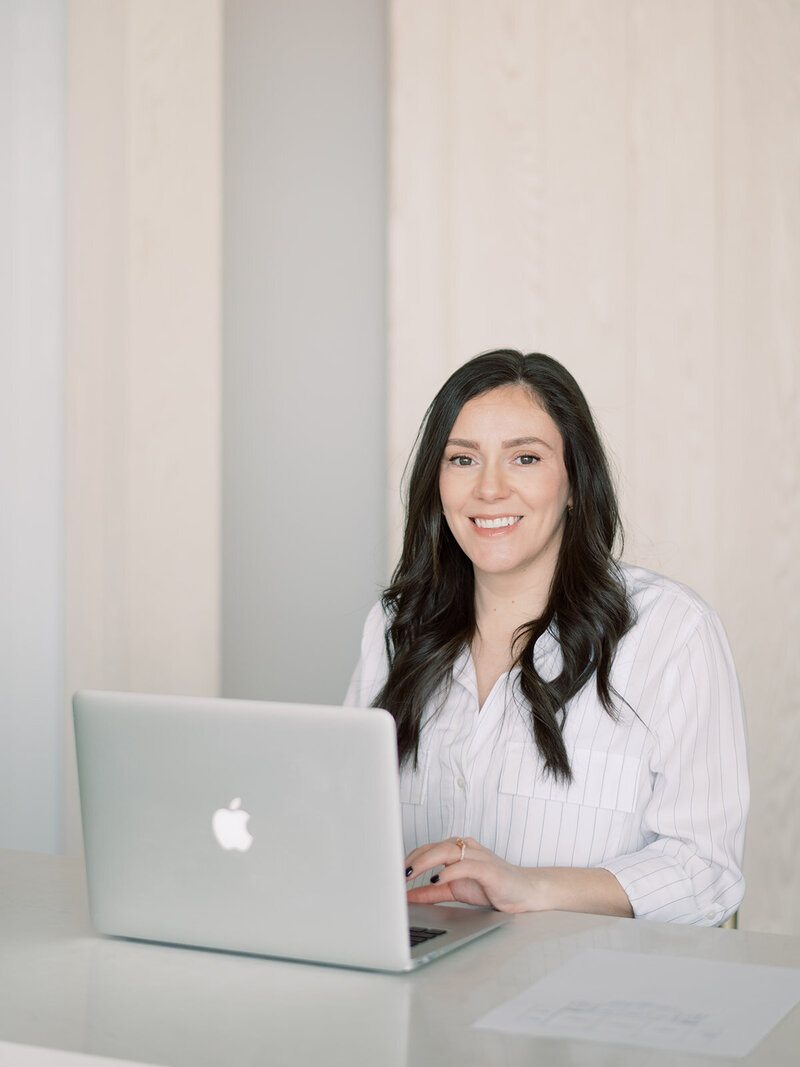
pixel 515 442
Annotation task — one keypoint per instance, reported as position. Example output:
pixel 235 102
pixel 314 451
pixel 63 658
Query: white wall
pixel 31 371
pixel 615 183
pixel 304 342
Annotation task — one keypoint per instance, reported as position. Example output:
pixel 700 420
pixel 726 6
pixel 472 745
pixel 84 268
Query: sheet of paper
pixel 662 1002
pixel 13 1055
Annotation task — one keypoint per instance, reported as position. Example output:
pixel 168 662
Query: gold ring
pixel 463 846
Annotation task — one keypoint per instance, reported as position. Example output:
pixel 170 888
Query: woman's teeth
pixel 494 524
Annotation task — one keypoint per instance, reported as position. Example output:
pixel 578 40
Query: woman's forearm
pixel 469 873
pixel 587 889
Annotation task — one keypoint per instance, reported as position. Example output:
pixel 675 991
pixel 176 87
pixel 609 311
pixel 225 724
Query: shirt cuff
pixel 660 888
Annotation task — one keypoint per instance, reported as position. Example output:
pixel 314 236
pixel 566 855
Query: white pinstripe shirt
pixel 660 801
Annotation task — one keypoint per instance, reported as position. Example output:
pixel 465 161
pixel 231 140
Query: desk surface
pixel 62 986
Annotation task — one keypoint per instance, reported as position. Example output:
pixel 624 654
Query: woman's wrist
pixel 543 890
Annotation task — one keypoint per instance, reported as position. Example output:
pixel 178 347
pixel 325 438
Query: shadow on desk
pixel 171 1005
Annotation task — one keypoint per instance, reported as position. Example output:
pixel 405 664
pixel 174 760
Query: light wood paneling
pixel 419 152
pixel 617 183
pixel 142 350
pixel 586 255
pixel 757 432
pixel 668 463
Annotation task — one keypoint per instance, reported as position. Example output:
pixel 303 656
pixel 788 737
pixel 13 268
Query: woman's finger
pixel 431 894
pixel 453 883
pixel 429 856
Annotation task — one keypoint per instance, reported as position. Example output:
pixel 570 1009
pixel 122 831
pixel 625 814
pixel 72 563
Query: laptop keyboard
pixel 421 934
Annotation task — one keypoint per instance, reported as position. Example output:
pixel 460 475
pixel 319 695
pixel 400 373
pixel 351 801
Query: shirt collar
pixel 464 671
pixel 547 658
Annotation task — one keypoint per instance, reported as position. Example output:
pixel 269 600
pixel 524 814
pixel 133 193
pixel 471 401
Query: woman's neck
pixel 504 602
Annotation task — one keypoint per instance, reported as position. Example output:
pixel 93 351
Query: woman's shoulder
pixel 654 594
pixel 378 617
pixel 370 673
pixel 374 631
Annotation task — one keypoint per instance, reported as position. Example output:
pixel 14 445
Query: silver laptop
pixel 263 828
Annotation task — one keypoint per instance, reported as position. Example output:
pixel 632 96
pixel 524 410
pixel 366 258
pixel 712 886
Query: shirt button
pixel 460 783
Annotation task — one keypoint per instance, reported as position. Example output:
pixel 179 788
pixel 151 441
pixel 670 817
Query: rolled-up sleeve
pixel 690 870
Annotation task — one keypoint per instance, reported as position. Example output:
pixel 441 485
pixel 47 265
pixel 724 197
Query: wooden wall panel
pixel 757 432
pixel 173 387
pixel 668 465
pixel 497 171
pixel 585 253
pixel 616 183
pixel 419 155
pixel 142 376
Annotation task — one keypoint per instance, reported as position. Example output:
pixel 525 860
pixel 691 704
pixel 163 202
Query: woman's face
pixel 504 486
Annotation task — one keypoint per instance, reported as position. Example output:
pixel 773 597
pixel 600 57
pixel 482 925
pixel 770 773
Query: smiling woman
pixel 506 505
pixel 570 729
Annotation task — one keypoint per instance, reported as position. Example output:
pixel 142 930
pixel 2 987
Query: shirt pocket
pixel 414 781
pixel 599 779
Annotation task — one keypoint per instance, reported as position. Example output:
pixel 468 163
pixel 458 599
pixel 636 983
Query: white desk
pixel 61 986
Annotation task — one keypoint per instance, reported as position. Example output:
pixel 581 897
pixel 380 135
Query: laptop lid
pixel 249 826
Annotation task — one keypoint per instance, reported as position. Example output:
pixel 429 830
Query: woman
pixel 570 730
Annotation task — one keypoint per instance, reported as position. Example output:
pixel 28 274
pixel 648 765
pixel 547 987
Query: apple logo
pixel 230 827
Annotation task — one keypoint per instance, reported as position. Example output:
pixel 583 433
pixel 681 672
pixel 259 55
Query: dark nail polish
pixel 409 871
pixel 435 879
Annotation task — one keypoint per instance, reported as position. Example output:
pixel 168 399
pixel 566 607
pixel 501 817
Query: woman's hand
pixel 471 874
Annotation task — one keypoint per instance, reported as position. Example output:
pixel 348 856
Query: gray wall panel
pixel 303 342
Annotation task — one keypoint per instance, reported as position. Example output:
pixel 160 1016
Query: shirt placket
pixel 466 724
pixel 474 744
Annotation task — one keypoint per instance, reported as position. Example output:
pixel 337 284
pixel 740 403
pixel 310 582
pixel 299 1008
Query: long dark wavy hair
pixel 431 599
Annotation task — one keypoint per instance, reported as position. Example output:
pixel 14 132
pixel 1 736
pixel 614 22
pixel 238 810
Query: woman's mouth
pixel 496 523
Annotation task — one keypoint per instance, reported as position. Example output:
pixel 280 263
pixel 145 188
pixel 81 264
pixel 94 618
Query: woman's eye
pixel 527 460
pixel 461 461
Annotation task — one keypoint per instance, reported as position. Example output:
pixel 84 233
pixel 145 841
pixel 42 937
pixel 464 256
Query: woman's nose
pixel 492 483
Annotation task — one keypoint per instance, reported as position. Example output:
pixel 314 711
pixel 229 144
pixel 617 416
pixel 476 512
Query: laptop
pixel 263 828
